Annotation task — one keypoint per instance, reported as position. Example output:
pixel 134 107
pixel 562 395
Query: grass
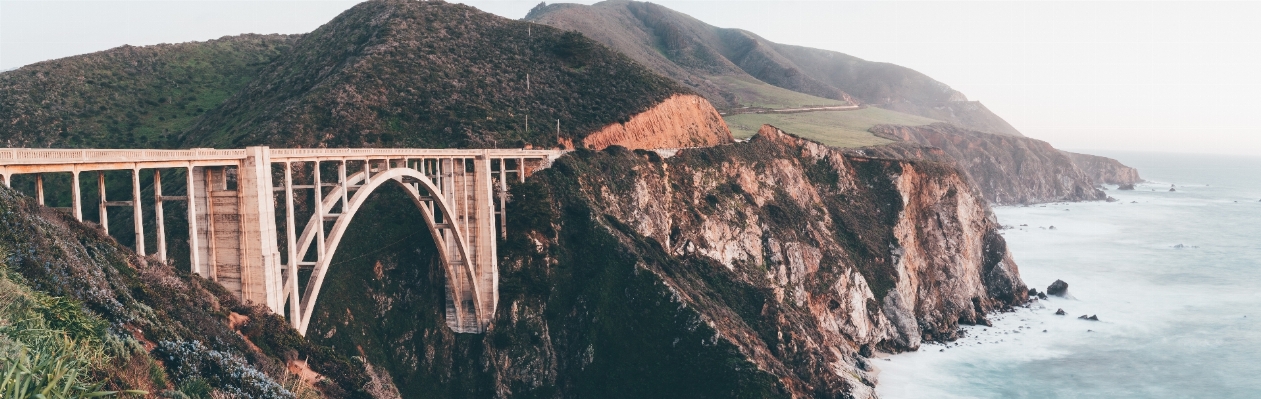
pixel 834 128
pixel 754 93
pixel 49 347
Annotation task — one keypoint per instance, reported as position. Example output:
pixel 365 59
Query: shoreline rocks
pixel 1058 288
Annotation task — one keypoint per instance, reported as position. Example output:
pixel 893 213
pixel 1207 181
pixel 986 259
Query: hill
pixel 128 96
pixel 720 63
pixel 76 305
pixel 433 74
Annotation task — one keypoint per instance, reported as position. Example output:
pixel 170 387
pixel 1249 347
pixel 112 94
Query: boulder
pixel 1058 288
pixel 1091 317
pixel 1060 312
pixel 1041 295
pixel 1126 187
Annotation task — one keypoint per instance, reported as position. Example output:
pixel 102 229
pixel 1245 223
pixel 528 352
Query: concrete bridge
pixel 234 229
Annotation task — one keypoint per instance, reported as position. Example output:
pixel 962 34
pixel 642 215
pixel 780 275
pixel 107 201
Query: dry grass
pixel 834 128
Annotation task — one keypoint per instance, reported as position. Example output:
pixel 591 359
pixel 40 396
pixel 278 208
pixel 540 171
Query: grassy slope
pixel 834 128
pixel 750 92
pixel 145 326
pixel 128 96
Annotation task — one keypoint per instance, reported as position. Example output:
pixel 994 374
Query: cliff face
pixel 684 120
pixel 1006 169
pixel 1104 170
pixel 757 269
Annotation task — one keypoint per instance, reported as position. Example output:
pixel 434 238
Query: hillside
pixel 128 96
pixel 433 74
pixel 726 65
pixel 73 302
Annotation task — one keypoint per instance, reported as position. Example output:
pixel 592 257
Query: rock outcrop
pixel 759 269
pixel 1006 169
pixel 1104 170
pixel 681 121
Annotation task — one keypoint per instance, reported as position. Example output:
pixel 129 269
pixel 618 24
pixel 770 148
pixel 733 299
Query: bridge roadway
pixel 232 196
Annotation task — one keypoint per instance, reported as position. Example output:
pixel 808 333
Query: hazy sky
pixel 1161 76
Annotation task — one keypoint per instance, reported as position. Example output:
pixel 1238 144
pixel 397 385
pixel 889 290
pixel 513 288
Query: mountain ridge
pixel 691 51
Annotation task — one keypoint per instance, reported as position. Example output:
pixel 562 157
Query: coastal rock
pixel 1060 312
pixel 1091 317
pixel 1041 295
pixel 1104 170
pixel 1058 288
pixel 1007 169
pixel 1110 199
pixel 1126 187
pixel 840 249
pixel 681 121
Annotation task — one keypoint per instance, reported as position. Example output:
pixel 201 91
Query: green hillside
pixel 128 96
pixel 834 128
pixel 433 74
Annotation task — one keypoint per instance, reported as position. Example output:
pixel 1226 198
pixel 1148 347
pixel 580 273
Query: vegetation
pixel 834 128
pixel 750 92
pixel 730 67
pixel 128 96
pixel 72 299
pixel 49 347
pixel 433 74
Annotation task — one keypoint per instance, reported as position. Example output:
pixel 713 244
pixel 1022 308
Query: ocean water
pixel 1174 277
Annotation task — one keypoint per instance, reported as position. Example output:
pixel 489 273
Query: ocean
pixel 1173 276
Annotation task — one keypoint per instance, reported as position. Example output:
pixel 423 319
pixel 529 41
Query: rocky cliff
pixel 1006 169
pixel 684 120
pixel 1104 170
pixel 759 269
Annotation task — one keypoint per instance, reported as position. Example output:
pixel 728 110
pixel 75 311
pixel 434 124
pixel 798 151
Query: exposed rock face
pixel 1104 170
pixel 681 121
pixel 757 269
pixel 1007 169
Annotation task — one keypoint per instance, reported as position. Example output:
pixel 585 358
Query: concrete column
pixel 77 204
pixel 319 213
pixel 291 237
pixel 194 228
pixel 160 219
pixel 39 188
pixel 484 233
pixel 100 186
pixel 137 212
pixel 260 255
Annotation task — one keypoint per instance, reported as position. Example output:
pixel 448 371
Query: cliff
pixel 1006 169
pixel 1104 170
pixel 759 269
pixel 678 122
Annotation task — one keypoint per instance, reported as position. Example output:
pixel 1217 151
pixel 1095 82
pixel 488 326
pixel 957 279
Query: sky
pixel 1138 76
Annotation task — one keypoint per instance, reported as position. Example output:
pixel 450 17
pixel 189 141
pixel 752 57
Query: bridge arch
pixel 466 310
